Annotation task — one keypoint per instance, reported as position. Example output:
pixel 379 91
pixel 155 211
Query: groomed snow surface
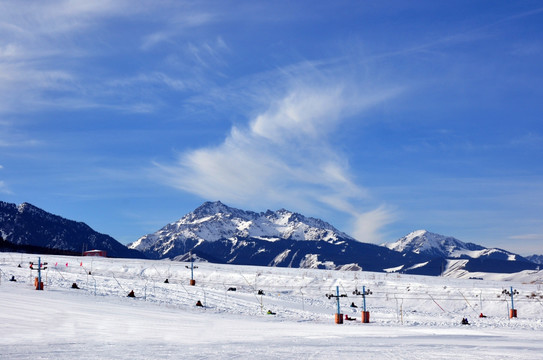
pixel 412 317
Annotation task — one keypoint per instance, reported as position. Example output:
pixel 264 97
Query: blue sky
pixel 378 117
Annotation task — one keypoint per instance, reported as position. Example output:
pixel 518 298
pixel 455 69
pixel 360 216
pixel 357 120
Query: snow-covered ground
pixel 412 317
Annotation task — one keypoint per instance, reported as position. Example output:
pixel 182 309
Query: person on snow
pixel 465 321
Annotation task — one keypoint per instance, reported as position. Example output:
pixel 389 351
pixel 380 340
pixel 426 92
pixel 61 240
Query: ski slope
pixel 412 317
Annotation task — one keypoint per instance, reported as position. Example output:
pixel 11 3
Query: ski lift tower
pixel 338 316
pixel 192 267
pixel 364 293
pixel 512 311
pixel 40 266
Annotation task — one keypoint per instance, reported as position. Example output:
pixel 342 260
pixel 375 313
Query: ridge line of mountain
pixel 26 226
pixel 219 233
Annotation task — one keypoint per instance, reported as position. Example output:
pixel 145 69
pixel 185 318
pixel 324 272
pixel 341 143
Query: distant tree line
pixel 6 246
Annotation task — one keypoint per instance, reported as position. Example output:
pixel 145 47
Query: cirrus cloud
pixel 284 157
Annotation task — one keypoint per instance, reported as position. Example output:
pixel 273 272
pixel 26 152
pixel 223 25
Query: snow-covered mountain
pixel 452 254
pixel 538 259
pixel 435 245
pixel 218 233
pixel 26 227
pixel 214 221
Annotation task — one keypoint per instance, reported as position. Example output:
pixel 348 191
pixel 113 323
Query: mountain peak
pixel 24 207
pixel 434 245
pixel 211 211
pixel 211 208
pixel 213 221
pixel 218 233
pixel 417 236
pixel 417 233
pixel 425 242
pixel 27 225
pixel 31 210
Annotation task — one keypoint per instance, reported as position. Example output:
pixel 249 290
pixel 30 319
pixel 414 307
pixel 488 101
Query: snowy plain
pixel 412 317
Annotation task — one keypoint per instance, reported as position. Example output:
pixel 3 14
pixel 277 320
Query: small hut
pixel 102 253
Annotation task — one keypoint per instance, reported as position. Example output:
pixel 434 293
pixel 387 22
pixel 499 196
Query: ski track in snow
pixel 412 317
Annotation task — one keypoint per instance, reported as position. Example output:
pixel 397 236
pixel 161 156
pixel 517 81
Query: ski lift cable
pixel 380 291
pixel 377 293
pixel 467 301
pixel 254 290
pixel 436 303
pixel 118 282
pixel 60 274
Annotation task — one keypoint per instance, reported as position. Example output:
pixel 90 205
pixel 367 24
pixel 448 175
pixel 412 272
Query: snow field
pixel 411 316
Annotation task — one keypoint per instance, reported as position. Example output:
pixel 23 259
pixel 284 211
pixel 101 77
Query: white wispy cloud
pixel 175 26
pixel 10 137
pixel 527 237
pixel 149 41
pixel 51 52
pixel 207 54
pixel 4 189
pixel 526 244
pixel 284 157
pixel 38 40
pixel 367 225
pixel 154 78
pixel 530 140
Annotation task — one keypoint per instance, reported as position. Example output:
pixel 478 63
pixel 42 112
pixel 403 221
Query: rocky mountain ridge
pixel 214 221
pixel 435 245
pixel 27 225
pixel 218 233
